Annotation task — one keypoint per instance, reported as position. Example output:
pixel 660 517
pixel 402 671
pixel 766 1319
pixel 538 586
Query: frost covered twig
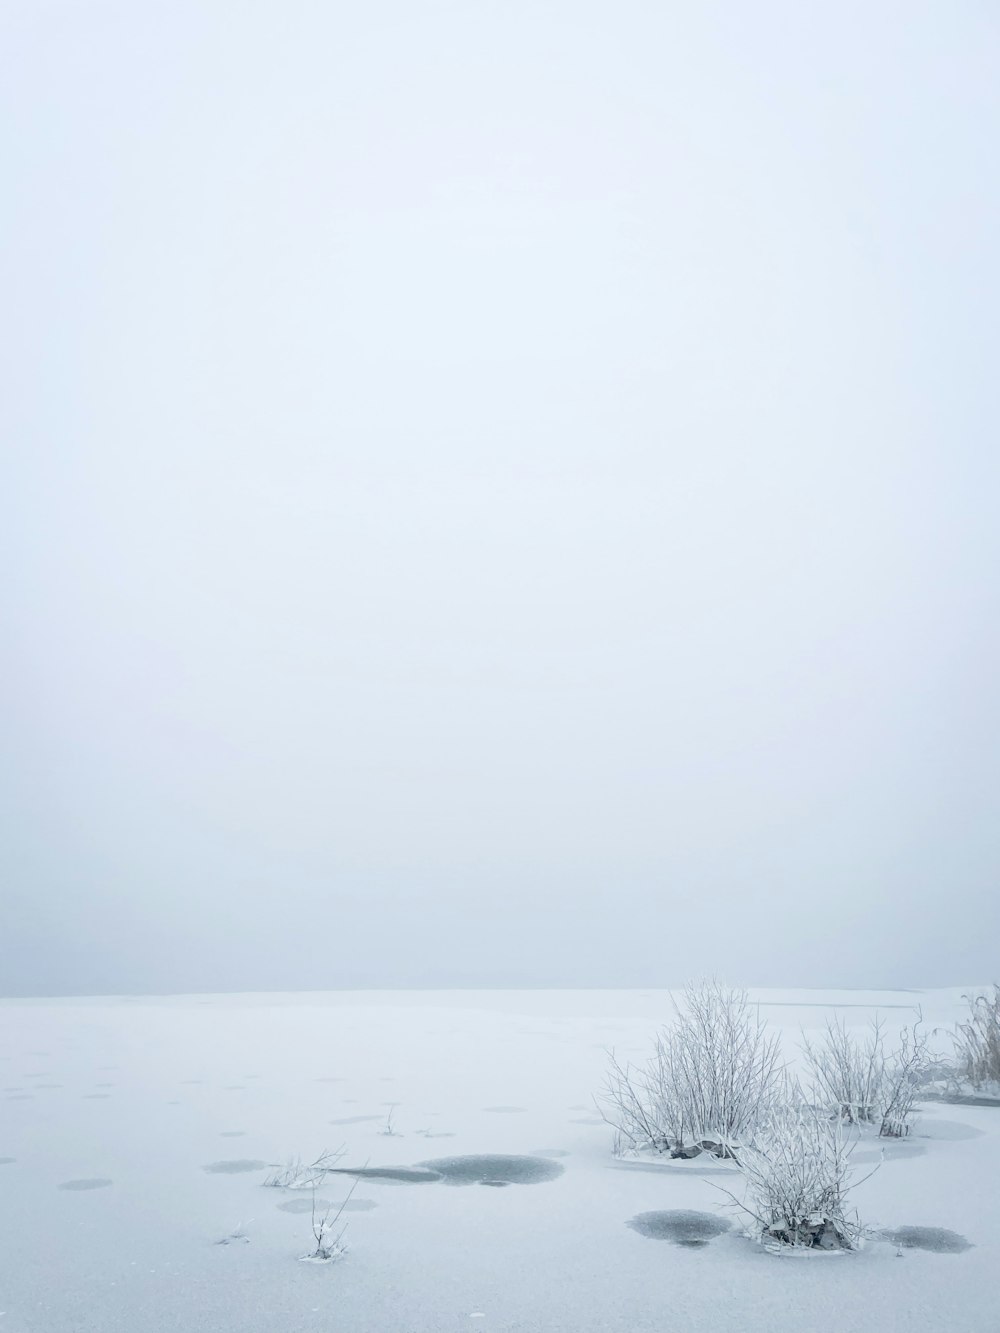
pixel 329 1241
pixel 299 1175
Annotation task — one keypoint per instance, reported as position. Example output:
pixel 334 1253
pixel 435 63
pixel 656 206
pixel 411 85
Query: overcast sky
pixel 499 493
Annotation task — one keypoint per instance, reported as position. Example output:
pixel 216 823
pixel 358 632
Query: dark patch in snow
pixel 495 1169
pixel 950 1130
pixel 306 1206
pixel 95 1183
pixel 48 1085
pixel 235 1087
pixel 936 1239
pixel 20 1097
pixel 355 1119
pixel 232 1133
pixel 681 1226
pixel 400 1175
pixel 6 1161
pixel 961 1098
pixel 234 1167
pixel 96 1096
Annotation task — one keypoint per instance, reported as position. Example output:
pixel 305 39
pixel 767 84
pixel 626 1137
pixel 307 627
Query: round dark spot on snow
pixel 234 1167
pixel 95 1183
pixel 355 1119
pixel 348 1206
pixel 398 1175
pixel 495 1169
pixel 936 1239
pixel 505 1110
pixel 682 1226
pixel 6 1161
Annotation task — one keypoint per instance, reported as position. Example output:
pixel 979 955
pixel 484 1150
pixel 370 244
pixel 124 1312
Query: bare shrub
pixel 977 1042
pixel 903 1076
pixel 299 1175
pixel 714 1072
pixel 846 1074
pixel 329 1241
pixel 797 1176
pixel 861 1081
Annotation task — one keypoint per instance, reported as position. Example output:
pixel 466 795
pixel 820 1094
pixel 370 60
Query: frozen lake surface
pixel 135 1134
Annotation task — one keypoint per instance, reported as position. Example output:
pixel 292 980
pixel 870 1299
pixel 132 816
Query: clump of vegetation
pixel 977 1042
pixel 299 1175
pixel 329 1241
pixel 863 1082
pixel 797 1177
pixel 714 1074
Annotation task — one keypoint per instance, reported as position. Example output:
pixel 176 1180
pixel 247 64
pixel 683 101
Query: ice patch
pixel 681 1226
pixel 495 1169
pixel 936 1239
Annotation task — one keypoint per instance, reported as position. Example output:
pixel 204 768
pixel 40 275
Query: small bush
pixel 714 1073
pixel 846 1074
pixel 977 1042
pixel 796 1178
pixel 862 1082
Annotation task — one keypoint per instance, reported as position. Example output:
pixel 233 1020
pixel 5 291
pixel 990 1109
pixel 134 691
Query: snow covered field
pixel 135 1134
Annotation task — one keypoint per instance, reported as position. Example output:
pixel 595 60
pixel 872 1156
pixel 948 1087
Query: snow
pixel 151 1094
